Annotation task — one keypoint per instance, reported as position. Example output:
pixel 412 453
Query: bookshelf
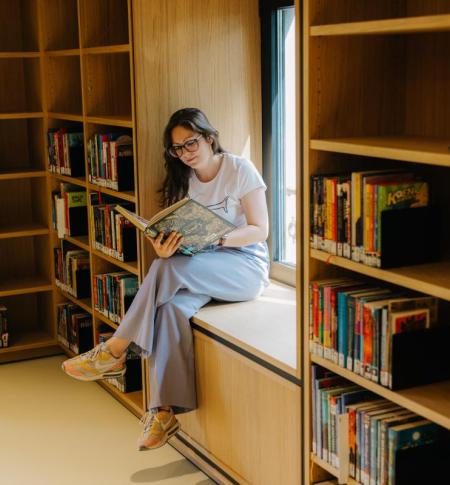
pixel 88 63
pixel 63 64
pixel 373 97
pixel 26 287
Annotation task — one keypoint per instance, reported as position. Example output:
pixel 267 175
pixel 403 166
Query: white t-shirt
pixel 236 178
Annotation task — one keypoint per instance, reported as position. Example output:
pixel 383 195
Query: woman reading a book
pixel 235 268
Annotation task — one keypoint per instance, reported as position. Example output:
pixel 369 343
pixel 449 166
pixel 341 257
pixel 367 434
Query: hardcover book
pixel 199 225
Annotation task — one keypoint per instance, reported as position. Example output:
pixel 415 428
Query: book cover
pixel 199 225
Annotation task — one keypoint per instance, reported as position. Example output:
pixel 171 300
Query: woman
pixel 176 286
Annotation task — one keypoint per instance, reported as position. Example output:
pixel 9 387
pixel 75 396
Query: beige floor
pixel 55 430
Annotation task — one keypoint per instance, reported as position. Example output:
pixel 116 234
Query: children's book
pixel 199 225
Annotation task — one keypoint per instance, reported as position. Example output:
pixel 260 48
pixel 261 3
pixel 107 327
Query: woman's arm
pixel 257 228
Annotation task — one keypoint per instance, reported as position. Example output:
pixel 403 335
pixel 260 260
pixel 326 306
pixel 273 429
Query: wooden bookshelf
pixel 372 96
pixel 87 58
pixel 63 64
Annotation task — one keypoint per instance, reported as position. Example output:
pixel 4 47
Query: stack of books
pixel 347 211
pixel 69 211
pixel 112 233
pixel 368 438
pixel 113 294
pixel 352 323
pixel 110 161
pixel 72 267
pixel 65 152
pixel 74 327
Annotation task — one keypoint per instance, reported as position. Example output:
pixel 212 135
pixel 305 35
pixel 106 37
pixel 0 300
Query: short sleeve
pixel 249 178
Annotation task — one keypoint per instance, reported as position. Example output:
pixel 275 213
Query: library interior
pixel 320 357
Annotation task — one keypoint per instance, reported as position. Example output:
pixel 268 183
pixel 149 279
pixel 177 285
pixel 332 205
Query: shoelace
pixel 92 354
pixel 147 420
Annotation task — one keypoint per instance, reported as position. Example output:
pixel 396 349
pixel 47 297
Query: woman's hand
pixel 169 246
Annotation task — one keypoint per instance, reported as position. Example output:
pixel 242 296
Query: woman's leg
pixel 223 275
pixel 172 370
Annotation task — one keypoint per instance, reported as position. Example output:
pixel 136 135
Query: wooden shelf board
pixel 23 286
pixel 331 469
pixel 22 174
pixel 431 151
pixel 19 54
pixel 125 195
pixel 106 320
pixel 23 230
pixel 124 121
pixel 109 49
pixel 84 303
pixel 130 400
pixel 131 266
pixel 432 278
pixel 80 241
pixel 26 340
pixel 430 401
pixel 406 25
pixel 63 52
pixel 71 180
pixel 65 116
pixel 21 116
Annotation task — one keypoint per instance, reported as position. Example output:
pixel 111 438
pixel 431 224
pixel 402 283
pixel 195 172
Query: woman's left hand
pixel 169 246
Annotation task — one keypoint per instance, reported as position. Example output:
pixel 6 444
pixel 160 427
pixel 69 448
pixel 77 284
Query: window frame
pixel 283 272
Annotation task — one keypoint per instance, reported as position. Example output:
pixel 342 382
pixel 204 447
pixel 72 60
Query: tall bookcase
pixel 65 64
pixel 375 93
pixel 88 74
pixel 26 287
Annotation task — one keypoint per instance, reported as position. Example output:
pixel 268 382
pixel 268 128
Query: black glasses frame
pixel 190 146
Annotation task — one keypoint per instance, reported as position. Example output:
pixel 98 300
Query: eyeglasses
pixel 190 146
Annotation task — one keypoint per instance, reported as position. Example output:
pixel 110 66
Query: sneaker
pixel 98 363
pixel 159 426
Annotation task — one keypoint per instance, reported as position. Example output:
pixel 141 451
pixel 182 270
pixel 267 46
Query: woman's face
pixel 196 152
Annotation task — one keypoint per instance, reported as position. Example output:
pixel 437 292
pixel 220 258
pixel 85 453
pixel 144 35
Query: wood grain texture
pixel 236 397
pixel 195 53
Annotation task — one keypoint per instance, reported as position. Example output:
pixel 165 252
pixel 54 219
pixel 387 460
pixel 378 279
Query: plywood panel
pixel 195 53
pixel 247 416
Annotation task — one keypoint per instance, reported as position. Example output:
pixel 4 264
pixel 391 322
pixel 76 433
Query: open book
pixel 199 225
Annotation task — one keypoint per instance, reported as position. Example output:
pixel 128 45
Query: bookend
pixel 83 277
pixel 129 244
pixel 406 236
pixel 420 357
pixel 125 173
pixel 78 220
pixel 77 167
pixel 422 464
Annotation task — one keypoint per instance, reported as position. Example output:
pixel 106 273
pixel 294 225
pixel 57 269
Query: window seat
pixel 264 327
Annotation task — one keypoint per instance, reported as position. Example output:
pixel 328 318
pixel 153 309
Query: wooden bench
pixel 247 426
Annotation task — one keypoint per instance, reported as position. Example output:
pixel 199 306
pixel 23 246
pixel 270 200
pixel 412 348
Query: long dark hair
pixel 176 182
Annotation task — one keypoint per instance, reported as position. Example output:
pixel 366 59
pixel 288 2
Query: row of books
pixel 65 149
pixel 72 268
pixel 352 323
pixel 110 161
pixel 111 232
pixel 131 381
pixel 346 210
pixel 114 293
pixel 74 327
pixel 365 436
pixel 69 211
pixel 4 335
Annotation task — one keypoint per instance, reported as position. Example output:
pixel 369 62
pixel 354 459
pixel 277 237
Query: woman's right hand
pixel 169 246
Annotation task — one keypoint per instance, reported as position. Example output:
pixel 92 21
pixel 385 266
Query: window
pixel 279 131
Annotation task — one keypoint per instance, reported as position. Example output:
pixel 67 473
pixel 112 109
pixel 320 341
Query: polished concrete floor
pixel 55 430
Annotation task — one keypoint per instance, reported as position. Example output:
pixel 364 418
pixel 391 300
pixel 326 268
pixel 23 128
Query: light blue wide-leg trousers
pixel 173 290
